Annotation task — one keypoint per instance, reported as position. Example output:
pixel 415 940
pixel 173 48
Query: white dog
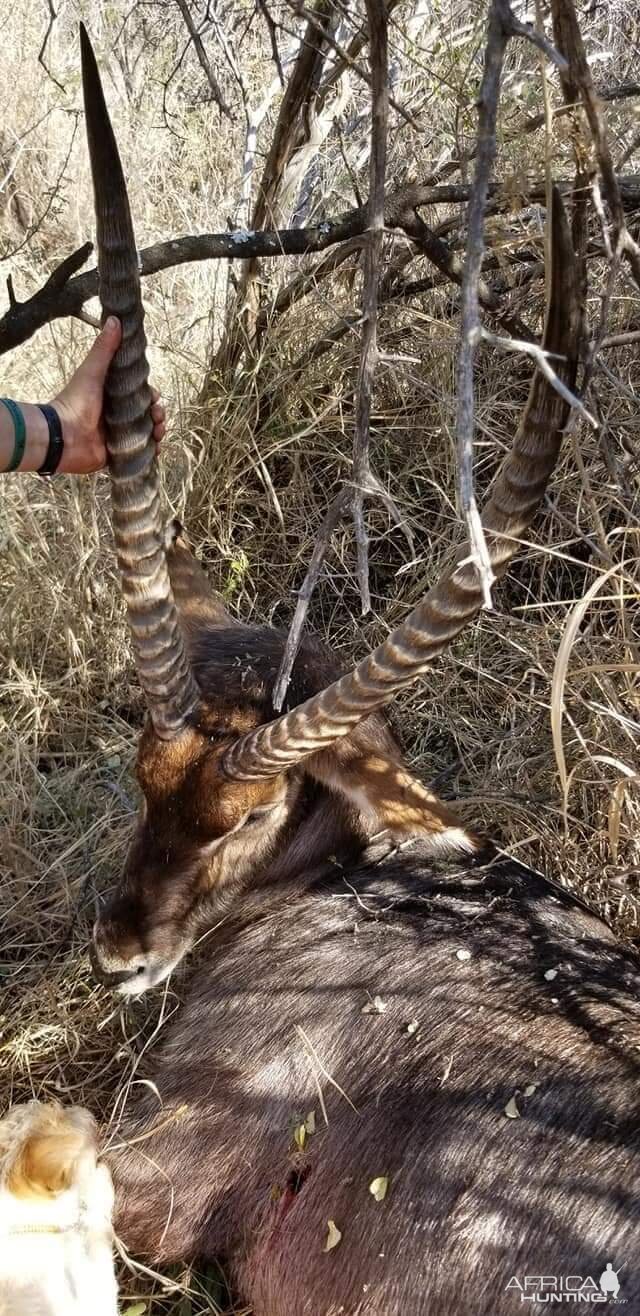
pixel 56 1202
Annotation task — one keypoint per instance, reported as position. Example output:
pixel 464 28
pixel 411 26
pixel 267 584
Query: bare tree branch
pixel 69 295
pixel 568 35
pixel 298 93
pixel 349 62
pixel 501 26
pixel 440 255
pixel 203 58
pixel 272 30
pixel 621 340
pixel 514 28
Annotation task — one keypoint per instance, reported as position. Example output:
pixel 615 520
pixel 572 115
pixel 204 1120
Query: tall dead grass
pixel 558 658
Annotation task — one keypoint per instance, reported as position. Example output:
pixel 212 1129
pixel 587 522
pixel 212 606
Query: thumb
pixel 98 359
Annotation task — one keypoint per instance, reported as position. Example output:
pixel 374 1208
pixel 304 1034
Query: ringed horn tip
pixel 160 654
pixel 457 597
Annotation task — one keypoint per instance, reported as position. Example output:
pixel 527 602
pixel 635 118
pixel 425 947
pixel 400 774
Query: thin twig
pixel 543 361
pixel 514 28
pixel 272 30
pixel 497 38
pixel 620 340
pixel 43 49
pixel 332 518
pixel 378 57
pixel 203 58
pixel 311 1050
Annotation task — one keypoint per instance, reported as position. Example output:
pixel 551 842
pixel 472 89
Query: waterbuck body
pixel 469 1035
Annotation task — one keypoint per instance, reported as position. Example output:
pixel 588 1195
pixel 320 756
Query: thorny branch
pixel 51 195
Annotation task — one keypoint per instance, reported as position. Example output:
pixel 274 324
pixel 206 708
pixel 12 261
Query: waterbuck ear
pixel 366 768
pixel 198 606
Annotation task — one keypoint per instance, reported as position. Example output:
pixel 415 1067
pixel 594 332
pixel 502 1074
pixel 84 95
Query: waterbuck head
pixel 230 791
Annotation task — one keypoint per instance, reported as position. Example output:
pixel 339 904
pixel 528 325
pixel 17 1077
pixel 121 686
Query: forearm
pixel 37 438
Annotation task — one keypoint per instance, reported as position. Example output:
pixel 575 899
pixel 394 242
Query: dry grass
pixel 480 725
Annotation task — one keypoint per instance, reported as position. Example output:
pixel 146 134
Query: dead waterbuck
pixel 403 1081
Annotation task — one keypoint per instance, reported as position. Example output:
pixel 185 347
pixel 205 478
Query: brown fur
pixel 279 1020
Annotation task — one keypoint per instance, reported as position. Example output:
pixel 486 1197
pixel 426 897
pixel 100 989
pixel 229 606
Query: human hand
pixel 80 403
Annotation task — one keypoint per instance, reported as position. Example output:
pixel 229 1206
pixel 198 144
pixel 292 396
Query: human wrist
pixel 83 450
pixel 36 438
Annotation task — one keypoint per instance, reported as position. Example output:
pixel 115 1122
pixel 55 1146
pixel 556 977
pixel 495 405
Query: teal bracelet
pixel 19 432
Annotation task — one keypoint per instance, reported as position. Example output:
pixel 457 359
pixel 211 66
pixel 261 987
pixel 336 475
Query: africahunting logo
pixel 555 1289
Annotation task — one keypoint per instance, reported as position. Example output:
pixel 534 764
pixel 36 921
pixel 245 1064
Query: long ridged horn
pixel 159 651
pixel 456 598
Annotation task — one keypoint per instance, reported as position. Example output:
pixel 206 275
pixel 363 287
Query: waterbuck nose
pixel 110 969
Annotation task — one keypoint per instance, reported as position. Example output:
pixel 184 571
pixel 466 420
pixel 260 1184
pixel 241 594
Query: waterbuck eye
pixel 257 815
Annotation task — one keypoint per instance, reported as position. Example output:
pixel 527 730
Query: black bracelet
pixel 56 441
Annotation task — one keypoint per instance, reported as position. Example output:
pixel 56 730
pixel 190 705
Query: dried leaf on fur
pixel 530 1089
pixel 376 1006
pixel 300 1135
pixel 310 1122
pixel 333 1236
pixel 511 1109
pixel 378 1187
